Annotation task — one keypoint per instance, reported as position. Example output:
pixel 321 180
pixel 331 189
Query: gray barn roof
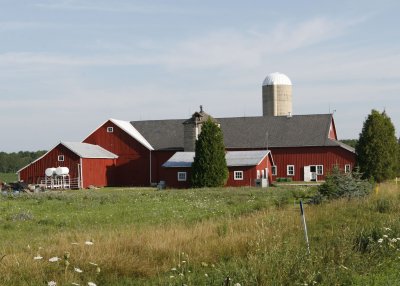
pixel 248 132
pixel 85 150
pixel 233 158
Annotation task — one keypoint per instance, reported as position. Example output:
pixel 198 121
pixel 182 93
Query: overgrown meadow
pixel 236 236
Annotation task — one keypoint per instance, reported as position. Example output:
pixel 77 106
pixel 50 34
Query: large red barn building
pixel 304 147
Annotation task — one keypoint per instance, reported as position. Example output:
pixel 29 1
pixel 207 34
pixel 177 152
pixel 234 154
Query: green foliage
pixel 377 149
pixel 209 168
pixel 8 177
pixel 338 185
pixel 12 162
pixel 350 142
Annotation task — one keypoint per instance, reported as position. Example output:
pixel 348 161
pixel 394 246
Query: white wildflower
pixel 92 263
pixel 74 243
pixel 393 240
pixel 380 240
pixel 172 276
pixel 237 284
pixel 206 275
pixel 91 284
pixel 183 261
pixel 386 228
pixel 38 257
pixel 180 274
pixel 76 269
pixel 173 269
pixel 75 284
pixel 88 242
pixel 51 283
pixel 54 259
pixel 385 236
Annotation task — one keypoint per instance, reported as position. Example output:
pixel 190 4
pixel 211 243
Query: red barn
pixel 246 168
pixel 133 166
pixel 87 164
pixel 304 147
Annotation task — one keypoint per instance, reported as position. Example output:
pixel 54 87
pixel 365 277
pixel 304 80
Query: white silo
pixel 277 95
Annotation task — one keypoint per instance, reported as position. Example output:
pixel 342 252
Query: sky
pixel 66 66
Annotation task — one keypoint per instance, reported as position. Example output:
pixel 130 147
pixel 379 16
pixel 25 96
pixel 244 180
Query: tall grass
pixel 260 245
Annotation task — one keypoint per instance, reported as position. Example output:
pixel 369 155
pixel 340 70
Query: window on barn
pixel 274 170
pixel 238 175
pixel 182 176
pixel 290 170
pixel 347 168
pixel 258 174
pixel 110 129
pixel 320 169
pixel 60 158
pixel 262 174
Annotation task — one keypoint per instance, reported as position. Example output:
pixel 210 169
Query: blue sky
pixel 66 66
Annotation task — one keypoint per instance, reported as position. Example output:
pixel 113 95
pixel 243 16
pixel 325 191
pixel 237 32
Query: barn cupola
pixel 277 95
pixel 192 129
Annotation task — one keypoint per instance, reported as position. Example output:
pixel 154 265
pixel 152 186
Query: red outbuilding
pixel 246 168
pixel 80 165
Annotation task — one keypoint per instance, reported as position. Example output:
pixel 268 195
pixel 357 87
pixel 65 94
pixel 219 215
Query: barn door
pixel 307 174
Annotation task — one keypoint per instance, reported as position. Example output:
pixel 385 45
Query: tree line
pixel 12 162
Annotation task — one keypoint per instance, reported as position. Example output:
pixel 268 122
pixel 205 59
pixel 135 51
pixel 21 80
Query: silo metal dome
pixel 277 95
pixel 277 78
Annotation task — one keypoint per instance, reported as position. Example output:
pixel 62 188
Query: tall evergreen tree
pixel 377 148
pixel 209 168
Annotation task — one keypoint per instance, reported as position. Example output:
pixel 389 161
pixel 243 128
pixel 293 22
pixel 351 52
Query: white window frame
pixel 258 174
pixel 287 170
pixel 321 168
pixel 238 175
pixel 262 174
pixel 110 129
pixel 347 168
pixel 60 158
pixel 274 170
pixel 182 176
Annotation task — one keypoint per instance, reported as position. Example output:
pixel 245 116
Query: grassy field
pixel 8 177
pixel 198 237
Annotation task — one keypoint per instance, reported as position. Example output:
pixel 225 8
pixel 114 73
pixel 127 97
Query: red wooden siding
pixel 170 176
pixel 332 131
pixel 34 172
pixel 97 172
pixel 306 156
pixel 133 164
pixel 158 158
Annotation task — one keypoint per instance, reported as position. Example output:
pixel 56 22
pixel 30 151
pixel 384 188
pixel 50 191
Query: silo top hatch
pixel 277 78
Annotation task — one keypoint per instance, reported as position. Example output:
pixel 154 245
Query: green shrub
pixel 338 184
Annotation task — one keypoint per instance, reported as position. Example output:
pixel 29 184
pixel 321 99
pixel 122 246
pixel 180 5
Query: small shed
pixel 87 165
pixel 246 168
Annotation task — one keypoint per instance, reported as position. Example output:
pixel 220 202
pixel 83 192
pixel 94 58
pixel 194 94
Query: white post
pixel 305 227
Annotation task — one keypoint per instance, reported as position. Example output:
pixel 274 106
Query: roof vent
pixel 289 115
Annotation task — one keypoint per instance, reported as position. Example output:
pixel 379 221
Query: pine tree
pixel 209 168
pixel 377 148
